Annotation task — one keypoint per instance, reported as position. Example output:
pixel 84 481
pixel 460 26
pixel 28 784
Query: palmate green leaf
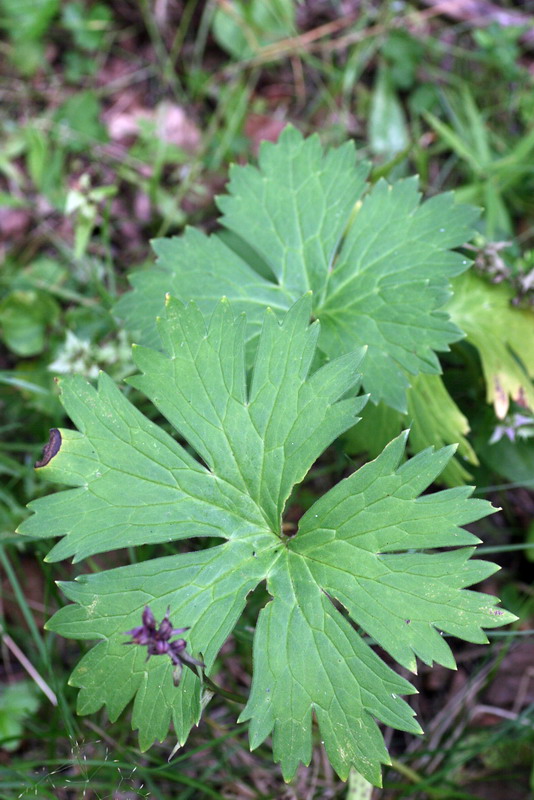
pixel 377 260
pixel 354 566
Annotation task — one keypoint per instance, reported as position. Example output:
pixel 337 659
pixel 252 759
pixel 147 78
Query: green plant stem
pixel 408 772
pixel 235 698
pixel 21 600
pixel 504 548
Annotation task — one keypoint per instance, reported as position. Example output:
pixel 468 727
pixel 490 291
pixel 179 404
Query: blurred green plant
pixel 87 24
pixel 26 22
pixel 499 174
pixel 17 702
pixel 500 47
pixel 25 315
pixel 242 27
pixel 388 128
pixel 85 202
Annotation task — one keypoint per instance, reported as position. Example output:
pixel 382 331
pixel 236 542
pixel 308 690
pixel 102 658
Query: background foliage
pixel 120 121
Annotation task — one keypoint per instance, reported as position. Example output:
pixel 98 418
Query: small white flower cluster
pixel 82 357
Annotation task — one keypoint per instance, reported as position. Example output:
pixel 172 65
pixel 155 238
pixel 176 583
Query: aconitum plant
pixel 252 403
pixel 382 273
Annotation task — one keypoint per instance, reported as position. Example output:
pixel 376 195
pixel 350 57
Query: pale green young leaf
pixel 377 260
pixel 359 544
pixel 436 419
pixel 433 417
pixel 503 336
pixel 388 131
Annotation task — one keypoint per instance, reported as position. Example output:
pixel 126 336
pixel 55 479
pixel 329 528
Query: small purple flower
pixel 156 640
pixel 514 426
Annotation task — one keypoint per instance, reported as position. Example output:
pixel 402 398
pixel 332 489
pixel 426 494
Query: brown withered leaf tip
pixel 50 448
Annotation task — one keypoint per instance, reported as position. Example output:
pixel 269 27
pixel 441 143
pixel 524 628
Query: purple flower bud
pixel 149 620
pixel 165 629
pixel 156 639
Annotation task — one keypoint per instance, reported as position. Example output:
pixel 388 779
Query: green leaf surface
pixel 78 123
pixel 514 460
pixel 354 566
pixel 388 131
pixel 27 19
pixel 24 318
pixel 17 701
pixel 242 27
pixel 503 336
pixel 433 417
pixel 437 420
pixel 88 26
pixel 377 260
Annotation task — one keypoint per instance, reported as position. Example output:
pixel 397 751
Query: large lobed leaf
pixel 377 260
pixel 363 547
